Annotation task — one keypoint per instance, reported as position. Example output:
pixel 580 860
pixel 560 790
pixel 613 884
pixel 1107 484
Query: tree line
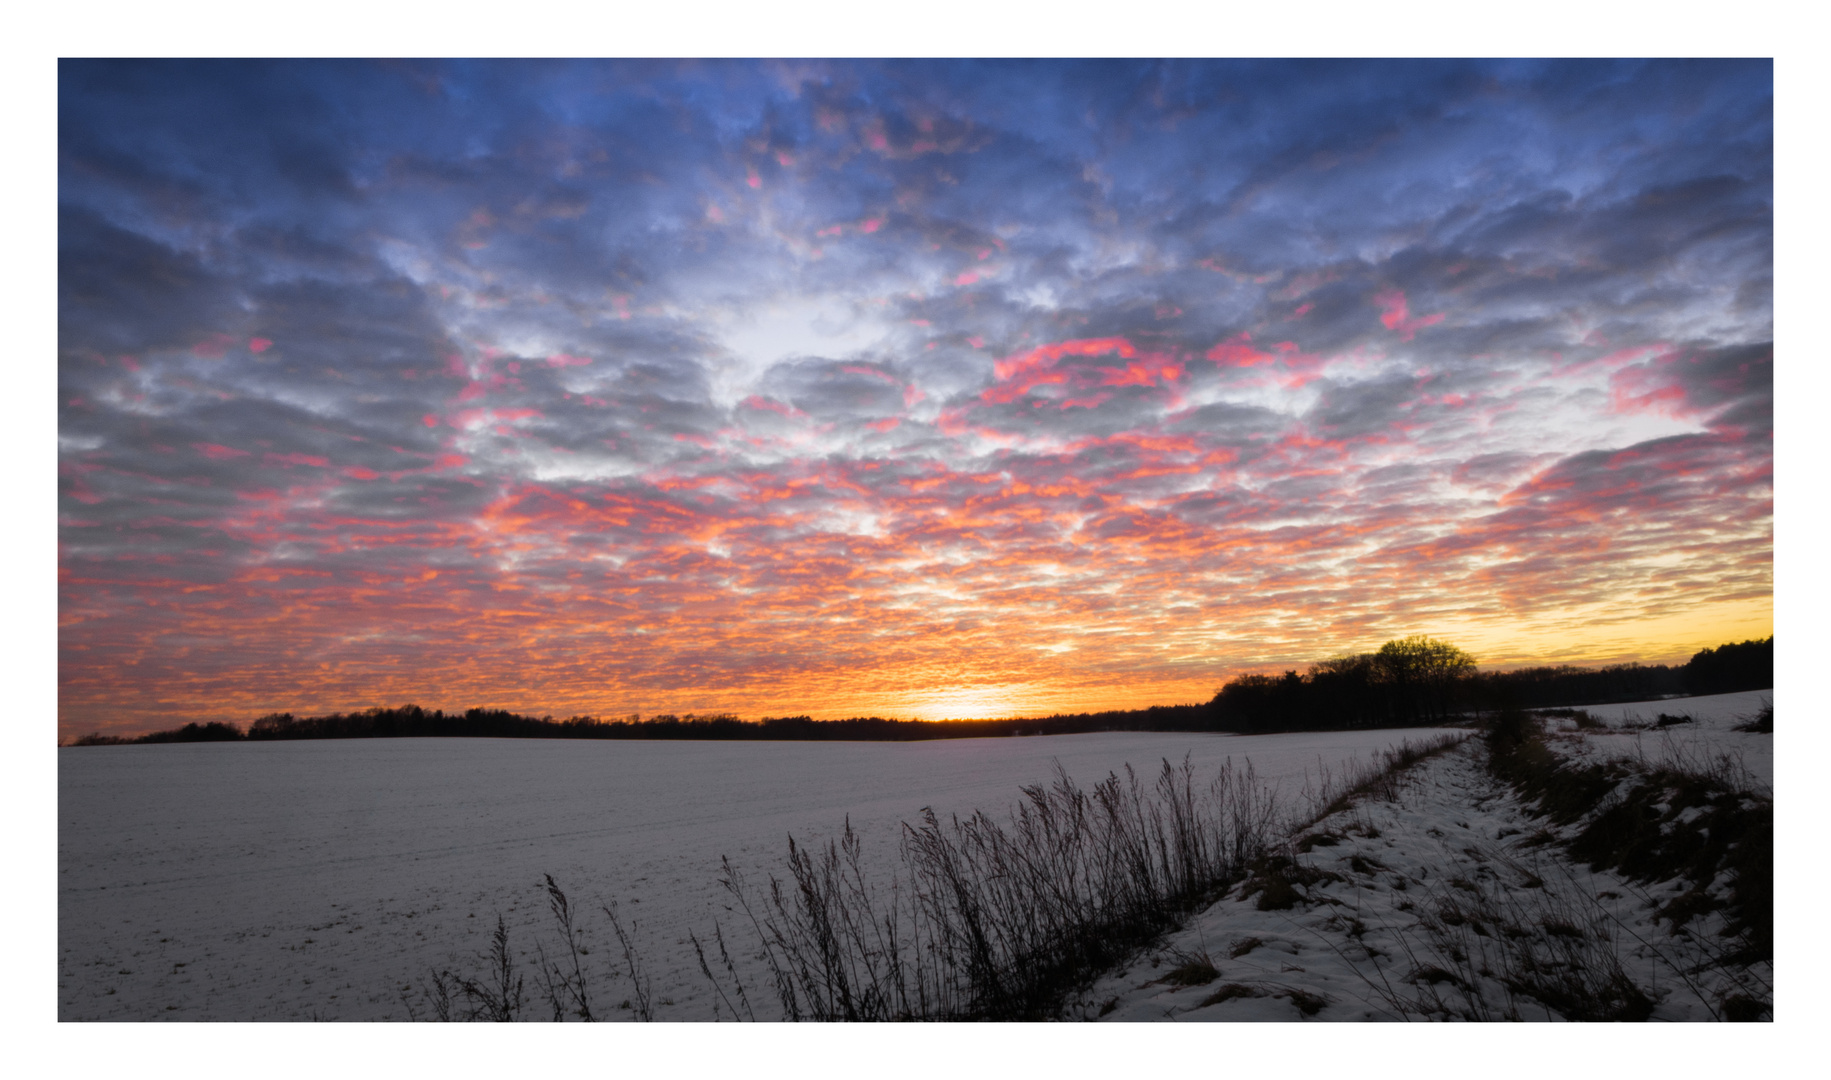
pixel 1420 681
pixel 1409 682
pixel 412 721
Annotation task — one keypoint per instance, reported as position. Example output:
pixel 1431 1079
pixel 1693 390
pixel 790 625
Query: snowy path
pixel 1344 951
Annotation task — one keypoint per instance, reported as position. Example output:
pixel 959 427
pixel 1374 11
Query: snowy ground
pixel 317 879
pixel 1345 950
pixel 1633 734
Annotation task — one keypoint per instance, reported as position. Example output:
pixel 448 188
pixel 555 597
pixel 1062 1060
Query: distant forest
pixel 1410 682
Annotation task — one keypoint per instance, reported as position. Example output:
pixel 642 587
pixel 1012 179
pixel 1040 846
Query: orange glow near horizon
pixel 848 389
pixel 900 585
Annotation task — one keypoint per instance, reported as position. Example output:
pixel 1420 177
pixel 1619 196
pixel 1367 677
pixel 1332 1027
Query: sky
pixel 908 389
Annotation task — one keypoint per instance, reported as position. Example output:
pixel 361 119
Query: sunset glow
pixel 917 390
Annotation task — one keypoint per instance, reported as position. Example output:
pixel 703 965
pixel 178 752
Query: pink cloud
pixel 297 459
pixel 218 453
pixel 772 405
pixel 259 344
pixel 213 347
pixel 561 360
pixel 1239 352
pixel 1646 388
pixel 1019 373
pixel 1044 356
pixel 1143 372
pixel 1396 315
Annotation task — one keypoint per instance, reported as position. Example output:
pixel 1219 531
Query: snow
pixel 1708 740
pixel 293 880
pixel 1355 940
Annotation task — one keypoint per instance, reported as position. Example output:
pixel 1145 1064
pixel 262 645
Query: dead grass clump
pixel 1432 975
pixel 1277 879
pixel 1196 969
pixel 1745 1009
pixel 1761 722
pixel 1307 1003
pixel 1242 947
pixel 1229 992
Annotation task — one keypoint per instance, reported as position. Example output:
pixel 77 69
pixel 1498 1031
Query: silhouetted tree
pixel 1423 675
pixel 1408 681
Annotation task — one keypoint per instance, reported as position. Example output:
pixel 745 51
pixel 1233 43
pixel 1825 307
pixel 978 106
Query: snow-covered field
pixel 1711 736
pixel 295 880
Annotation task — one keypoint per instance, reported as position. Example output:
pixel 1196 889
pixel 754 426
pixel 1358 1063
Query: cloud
pixel 815 387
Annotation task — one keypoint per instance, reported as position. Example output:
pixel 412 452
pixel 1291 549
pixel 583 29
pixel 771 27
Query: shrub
pixel 1762 722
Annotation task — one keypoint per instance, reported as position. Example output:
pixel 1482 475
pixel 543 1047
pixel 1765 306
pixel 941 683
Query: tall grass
pixel 981 918
pixel 991 920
